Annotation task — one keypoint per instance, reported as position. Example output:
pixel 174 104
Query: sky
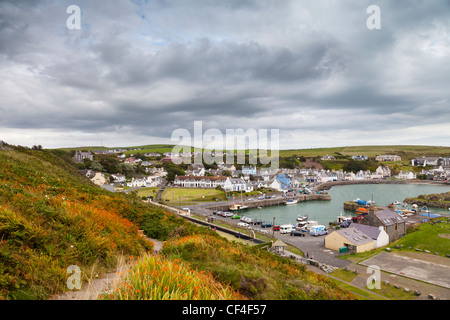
pixel 136 71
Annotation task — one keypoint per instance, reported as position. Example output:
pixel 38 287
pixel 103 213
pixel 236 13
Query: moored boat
pixel 237 207
pixel 291 201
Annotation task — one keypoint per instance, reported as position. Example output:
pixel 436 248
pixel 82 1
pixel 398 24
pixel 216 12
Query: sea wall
pixel 328 185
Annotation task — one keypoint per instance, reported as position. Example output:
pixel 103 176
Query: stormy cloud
pixel 137 70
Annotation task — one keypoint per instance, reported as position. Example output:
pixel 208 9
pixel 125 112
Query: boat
pixel 291 201
pixel 362 211
pixel 397 203
pixel 302 218
pixel 425 210
pixel 237 207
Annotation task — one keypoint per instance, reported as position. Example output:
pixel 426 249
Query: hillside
pixel 407 152
pixel 51 218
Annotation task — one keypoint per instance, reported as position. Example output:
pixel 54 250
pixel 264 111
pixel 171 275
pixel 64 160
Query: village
pixel 250 177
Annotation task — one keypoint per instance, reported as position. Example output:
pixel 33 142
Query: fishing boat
pixel 237 207
pixel 302 218
pixel 291 201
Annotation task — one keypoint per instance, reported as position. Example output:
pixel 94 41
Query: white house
pixel 407 175
pixel 137 183
pixel 388 157
pixel 384 171
pixel 99 179
pixel 199 182
pixel 118 178
pixel 153 181
pixel 380 236
pixel 237 184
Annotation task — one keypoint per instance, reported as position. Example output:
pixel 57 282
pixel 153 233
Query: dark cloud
pixel 142 69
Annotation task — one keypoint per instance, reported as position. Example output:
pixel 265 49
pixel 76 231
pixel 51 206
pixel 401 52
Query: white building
pixel 407 175
pixel 388 157
pixel 199 182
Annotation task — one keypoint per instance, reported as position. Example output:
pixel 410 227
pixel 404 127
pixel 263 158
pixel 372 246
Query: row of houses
pixel 431 161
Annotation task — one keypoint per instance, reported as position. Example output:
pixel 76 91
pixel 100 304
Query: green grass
pixel 145 192
pixel 426 237
pixel 177 195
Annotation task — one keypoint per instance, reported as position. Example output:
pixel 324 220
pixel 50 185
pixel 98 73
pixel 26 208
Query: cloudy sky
pixel 138 70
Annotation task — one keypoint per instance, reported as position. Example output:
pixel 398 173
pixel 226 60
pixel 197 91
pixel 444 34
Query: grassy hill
pixel 407 152
pixel 51 218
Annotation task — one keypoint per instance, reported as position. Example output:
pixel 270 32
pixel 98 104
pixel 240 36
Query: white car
pixel 243 225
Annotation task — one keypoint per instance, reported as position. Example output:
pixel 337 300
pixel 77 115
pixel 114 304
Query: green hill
pixel 51 218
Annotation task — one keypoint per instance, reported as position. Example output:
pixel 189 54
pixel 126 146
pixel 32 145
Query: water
pixel 326 211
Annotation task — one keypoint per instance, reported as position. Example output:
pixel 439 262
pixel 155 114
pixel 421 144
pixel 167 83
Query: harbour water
pixel 326 211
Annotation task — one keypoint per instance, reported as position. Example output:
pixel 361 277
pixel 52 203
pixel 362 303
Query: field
pixel 175 195
pixel 407 152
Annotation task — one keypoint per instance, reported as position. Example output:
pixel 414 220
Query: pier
pixel 269 202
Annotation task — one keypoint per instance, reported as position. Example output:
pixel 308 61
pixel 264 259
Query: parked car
pixel 346 224
pixel 266 225
pixel 227 214
pixel 235 216
pixel 297 233
pixel 243 225
pixel 276 228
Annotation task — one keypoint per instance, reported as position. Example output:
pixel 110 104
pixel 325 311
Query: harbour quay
pixel 224 206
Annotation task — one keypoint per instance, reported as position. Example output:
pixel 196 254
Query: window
pixel 396 226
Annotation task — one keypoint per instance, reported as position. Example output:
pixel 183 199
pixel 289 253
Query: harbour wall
pixel 272 202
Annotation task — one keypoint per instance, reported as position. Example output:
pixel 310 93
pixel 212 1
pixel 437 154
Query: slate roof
pixel 354 235
pixel 372 232
pixel 388 217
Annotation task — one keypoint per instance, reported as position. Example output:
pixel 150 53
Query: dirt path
pixel 95 287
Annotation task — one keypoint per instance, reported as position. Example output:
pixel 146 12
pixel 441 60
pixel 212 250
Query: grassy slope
pixel 51 218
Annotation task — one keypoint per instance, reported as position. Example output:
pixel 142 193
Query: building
pixel 328 157
pixel 284 180
pixel 199 182
pixel 350 238
pixel 99 179
pixel 388 157
pixel 80 156
pixel 384 171
pixel 248 170
pixel 406 175
pixel 237 184
pixel 360 158
pixel 392 223
pixel 378 235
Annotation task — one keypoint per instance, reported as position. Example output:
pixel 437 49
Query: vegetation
pixel 176 195
pixel 156 278
pixel 51 217
pixel 255 273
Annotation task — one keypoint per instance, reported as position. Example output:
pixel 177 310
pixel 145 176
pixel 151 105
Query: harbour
pixel 326 207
